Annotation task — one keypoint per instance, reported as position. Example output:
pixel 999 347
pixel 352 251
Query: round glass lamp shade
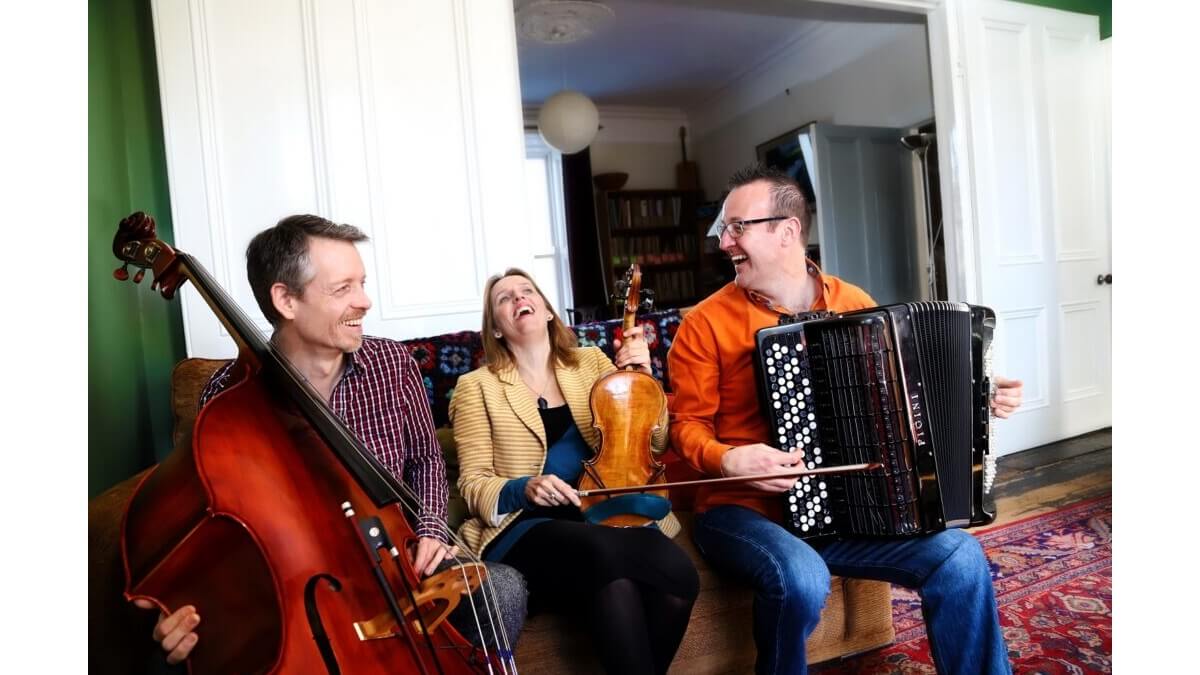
pixel 568 121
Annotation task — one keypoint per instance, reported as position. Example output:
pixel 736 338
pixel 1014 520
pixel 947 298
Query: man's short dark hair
pixel 786 195
pixel 279 255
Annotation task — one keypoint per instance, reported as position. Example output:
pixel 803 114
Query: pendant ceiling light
pixel 568 120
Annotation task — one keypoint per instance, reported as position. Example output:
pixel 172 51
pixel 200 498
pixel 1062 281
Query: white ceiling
pixel 678 53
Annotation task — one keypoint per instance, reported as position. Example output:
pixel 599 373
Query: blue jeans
pixel 791 581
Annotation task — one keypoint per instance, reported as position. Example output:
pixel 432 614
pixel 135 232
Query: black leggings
pixel 634 584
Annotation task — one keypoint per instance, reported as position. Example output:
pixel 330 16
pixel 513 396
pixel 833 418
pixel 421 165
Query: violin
pixel 280 526
pixel 626 406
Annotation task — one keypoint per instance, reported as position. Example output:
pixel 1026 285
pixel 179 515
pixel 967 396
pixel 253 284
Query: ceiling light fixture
pixel 560 22
pixel 568 122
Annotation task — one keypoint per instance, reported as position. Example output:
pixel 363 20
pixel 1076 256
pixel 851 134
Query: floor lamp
pixel 920 144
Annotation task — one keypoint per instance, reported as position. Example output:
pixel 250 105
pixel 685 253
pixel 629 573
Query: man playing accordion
pixel 717 426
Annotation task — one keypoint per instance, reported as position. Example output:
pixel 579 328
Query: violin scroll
pixel 629 292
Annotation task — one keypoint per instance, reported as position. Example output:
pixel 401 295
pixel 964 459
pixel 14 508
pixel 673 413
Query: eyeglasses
pixel 738 227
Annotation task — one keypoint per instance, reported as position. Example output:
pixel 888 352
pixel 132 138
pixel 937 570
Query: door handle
pixel 1102 279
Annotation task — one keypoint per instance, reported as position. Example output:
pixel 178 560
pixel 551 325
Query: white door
pixel 1038 102
pixel 864 210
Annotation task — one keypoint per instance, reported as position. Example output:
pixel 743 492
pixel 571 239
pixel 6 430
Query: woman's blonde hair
pixel 562 340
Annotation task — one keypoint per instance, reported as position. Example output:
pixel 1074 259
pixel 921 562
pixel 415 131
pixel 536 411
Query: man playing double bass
pixel 308 279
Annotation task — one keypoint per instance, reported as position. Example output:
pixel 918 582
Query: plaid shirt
pixel 381 397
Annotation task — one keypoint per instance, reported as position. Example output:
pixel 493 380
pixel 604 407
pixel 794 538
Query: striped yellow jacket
pixel 500 436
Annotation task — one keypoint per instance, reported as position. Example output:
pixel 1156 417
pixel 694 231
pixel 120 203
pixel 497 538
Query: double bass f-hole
pixel 315 625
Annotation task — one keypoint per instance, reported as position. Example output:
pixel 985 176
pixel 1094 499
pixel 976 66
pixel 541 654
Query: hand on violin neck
pixel 550 490
pixel 632 350
pixel 428 553
pixel 175 633
pixel 757 458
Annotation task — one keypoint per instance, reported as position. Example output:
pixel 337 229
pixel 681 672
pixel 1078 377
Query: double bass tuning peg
pixel 122 274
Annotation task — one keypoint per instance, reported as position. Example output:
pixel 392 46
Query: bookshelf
pixel 659 230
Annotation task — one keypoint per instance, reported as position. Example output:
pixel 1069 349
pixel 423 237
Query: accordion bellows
pixel 905 385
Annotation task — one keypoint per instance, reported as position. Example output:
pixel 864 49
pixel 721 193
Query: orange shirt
pixel 715 403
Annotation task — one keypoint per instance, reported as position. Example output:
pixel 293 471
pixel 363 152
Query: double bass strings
pixel 410 503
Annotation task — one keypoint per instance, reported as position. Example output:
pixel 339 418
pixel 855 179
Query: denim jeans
pixel 791 581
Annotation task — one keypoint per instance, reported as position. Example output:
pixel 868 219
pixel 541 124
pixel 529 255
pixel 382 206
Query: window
pixel 548 226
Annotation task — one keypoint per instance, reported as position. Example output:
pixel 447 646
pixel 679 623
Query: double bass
pixel 281 527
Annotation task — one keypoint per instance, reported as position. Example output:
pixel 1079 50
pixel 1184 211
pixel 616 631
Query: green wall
pixel 134 335
pixel 1100 8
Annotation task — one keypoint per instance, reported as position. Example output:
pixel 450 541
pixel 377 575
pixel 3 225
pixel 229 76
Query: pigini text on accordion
pixel 906 385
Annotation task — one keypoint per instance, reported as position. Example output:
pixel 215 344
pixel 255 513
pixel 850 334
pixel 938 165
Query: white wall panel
pixel 1021 353
pixel 419 238
pixel 1013 172
pixel 386 115
pixel 1072 140
pixel 1082 370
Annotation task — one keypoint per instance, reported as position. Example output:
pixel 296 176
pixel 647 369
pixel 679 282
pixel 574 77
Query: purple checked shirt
pixel 381 398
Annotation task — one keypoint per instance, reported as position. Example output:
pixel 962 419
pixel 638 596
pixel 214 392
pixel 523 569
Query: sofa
pixel 856 617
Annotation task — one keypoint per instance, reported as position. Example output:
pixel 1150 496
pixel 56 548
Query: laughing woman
pixel 523 427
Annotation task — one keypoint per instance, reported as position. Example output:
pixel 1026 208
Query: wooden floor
pixel 1043 479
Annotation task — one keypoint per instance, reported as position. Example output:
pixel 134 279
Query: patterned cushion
pixel 442 358
pixel 659 329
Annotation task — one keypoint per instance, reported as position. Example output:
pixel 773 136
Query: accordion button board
pixel 793 410
pixel 904 385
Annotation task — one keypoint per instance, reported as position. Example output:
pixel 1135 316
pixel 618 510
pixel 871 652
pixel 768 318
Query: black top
pixel 557 421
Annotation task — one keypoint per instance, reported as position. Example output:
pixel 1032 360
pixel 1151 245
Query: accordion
pixel 905 385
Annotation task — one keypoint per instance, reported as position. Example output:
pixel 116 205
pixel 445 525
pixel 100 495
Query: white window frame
pixel 535 147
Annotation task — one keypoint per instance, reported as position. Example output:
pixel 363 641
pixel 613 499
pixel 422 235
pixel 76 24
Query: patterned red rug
pixel 1053 578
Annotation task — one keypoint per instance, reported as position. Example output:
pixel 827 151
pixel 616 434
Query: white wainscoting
pixel 402 118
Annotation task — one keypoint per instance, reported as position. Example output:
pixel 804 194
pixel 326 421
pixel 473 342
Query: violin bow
pixel 847 468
